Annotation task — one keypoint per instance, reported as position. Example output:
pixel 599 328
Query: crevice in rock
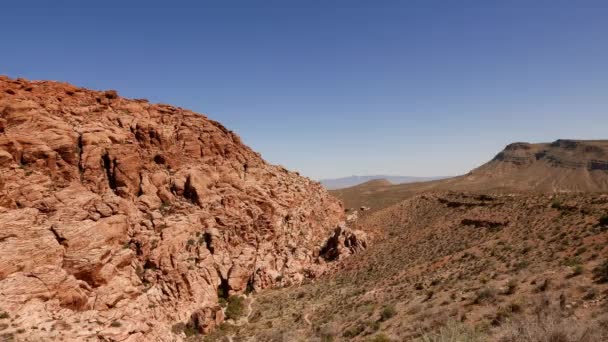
pixel 250 284
pixel 80 151
pixel 208 242
pixel 110 166
pixel 159 159
pixel 88 276
pixel 42 281
pixel 2 238
pixel 223 289
pixel 140 191
pixel 190 192
pixel 60 239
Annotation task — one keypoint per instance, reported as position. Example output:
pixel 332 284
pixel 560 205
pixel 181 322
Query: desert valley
pixel 123 220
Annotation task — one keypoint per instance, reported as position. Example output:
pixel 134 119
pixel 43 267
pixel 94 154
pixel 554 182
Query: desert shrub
pixel 115 324
pixel 604 220
pixel 544 285
pixel 485 295
pixel 4 315
pixel 503 313
pixel 556 204
pixel 552 328
pixel 572 262
pixel 511 287
pixel 388 312
pixel 380 338
pixel 601 272
pixel 187 329
pixel 178 327
pixel 328 331
pixel 577 270
pixel 520 265
pixel 590 294
pixel 235 307
pixel 353 331
pixel 220 333
pixel 165 208
pixel 452 332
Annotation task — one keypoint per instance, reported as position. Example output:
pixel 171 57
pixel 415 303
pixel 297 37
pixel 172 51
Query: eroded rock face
pixel 344 242
pixel 119 218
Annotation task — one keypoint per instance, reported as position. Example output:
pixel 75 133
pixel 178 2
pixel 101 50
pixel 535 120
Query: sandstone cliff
pixel 119 217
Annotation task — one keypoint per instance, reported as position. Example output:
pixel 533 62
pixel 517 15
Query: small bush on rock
pixel 604 220
pixel 235 307
pixel 388 312
pixel 601 272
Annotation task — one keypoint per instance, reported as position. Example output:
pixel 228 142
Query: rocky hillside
pixel 458 267
pixel 564 165
pixel 561 166
pixel 120 218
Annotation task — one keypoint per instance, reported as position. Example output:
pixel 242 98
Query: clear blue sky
pixel 334 88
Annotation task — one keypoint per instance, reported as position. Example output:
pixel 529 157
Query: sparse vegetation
pixel 577 270
pixel 485 295
pixel 452 332
pixel 354 331
pixel 165 208
pixel 235 307
pixel 181 327
pixel 551 327
pixel 380 338
pixel 4 315
pixel 601 272
pixel 556 204
pixel 388 312
pixel 604 220
pixel 511 287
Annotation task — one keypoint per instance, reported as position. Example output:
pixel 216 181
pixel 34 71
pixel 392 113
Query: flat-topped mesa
pixel 585 154
pixel 142 213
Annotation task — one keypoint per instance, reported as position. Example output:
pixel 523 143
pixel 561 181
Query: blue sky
pixel 334 88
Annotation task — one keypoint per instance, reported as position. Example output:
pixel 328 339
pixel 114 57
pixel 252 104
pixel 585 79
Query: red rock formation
pixel 119 218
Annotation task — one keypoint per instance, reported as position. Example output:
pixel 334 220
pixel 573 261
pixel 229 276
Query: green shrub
pixel 556 204
pixel 354 331
pixel 601 272
pixel 380 338
pixel 187 329
pixel 235 307
pixel 178 327
pixel 485 295
pixel 452 332
pixel 577 270
pixel 511 287
pixel 388 312
pixel 572 262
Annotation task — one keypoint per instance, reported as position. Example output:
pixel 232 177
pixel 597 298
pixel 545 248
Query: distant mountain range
pixel 345 182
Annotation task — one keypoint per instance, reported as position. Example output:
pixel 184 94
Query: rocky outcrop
pixel 119 217
pixel 344 242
